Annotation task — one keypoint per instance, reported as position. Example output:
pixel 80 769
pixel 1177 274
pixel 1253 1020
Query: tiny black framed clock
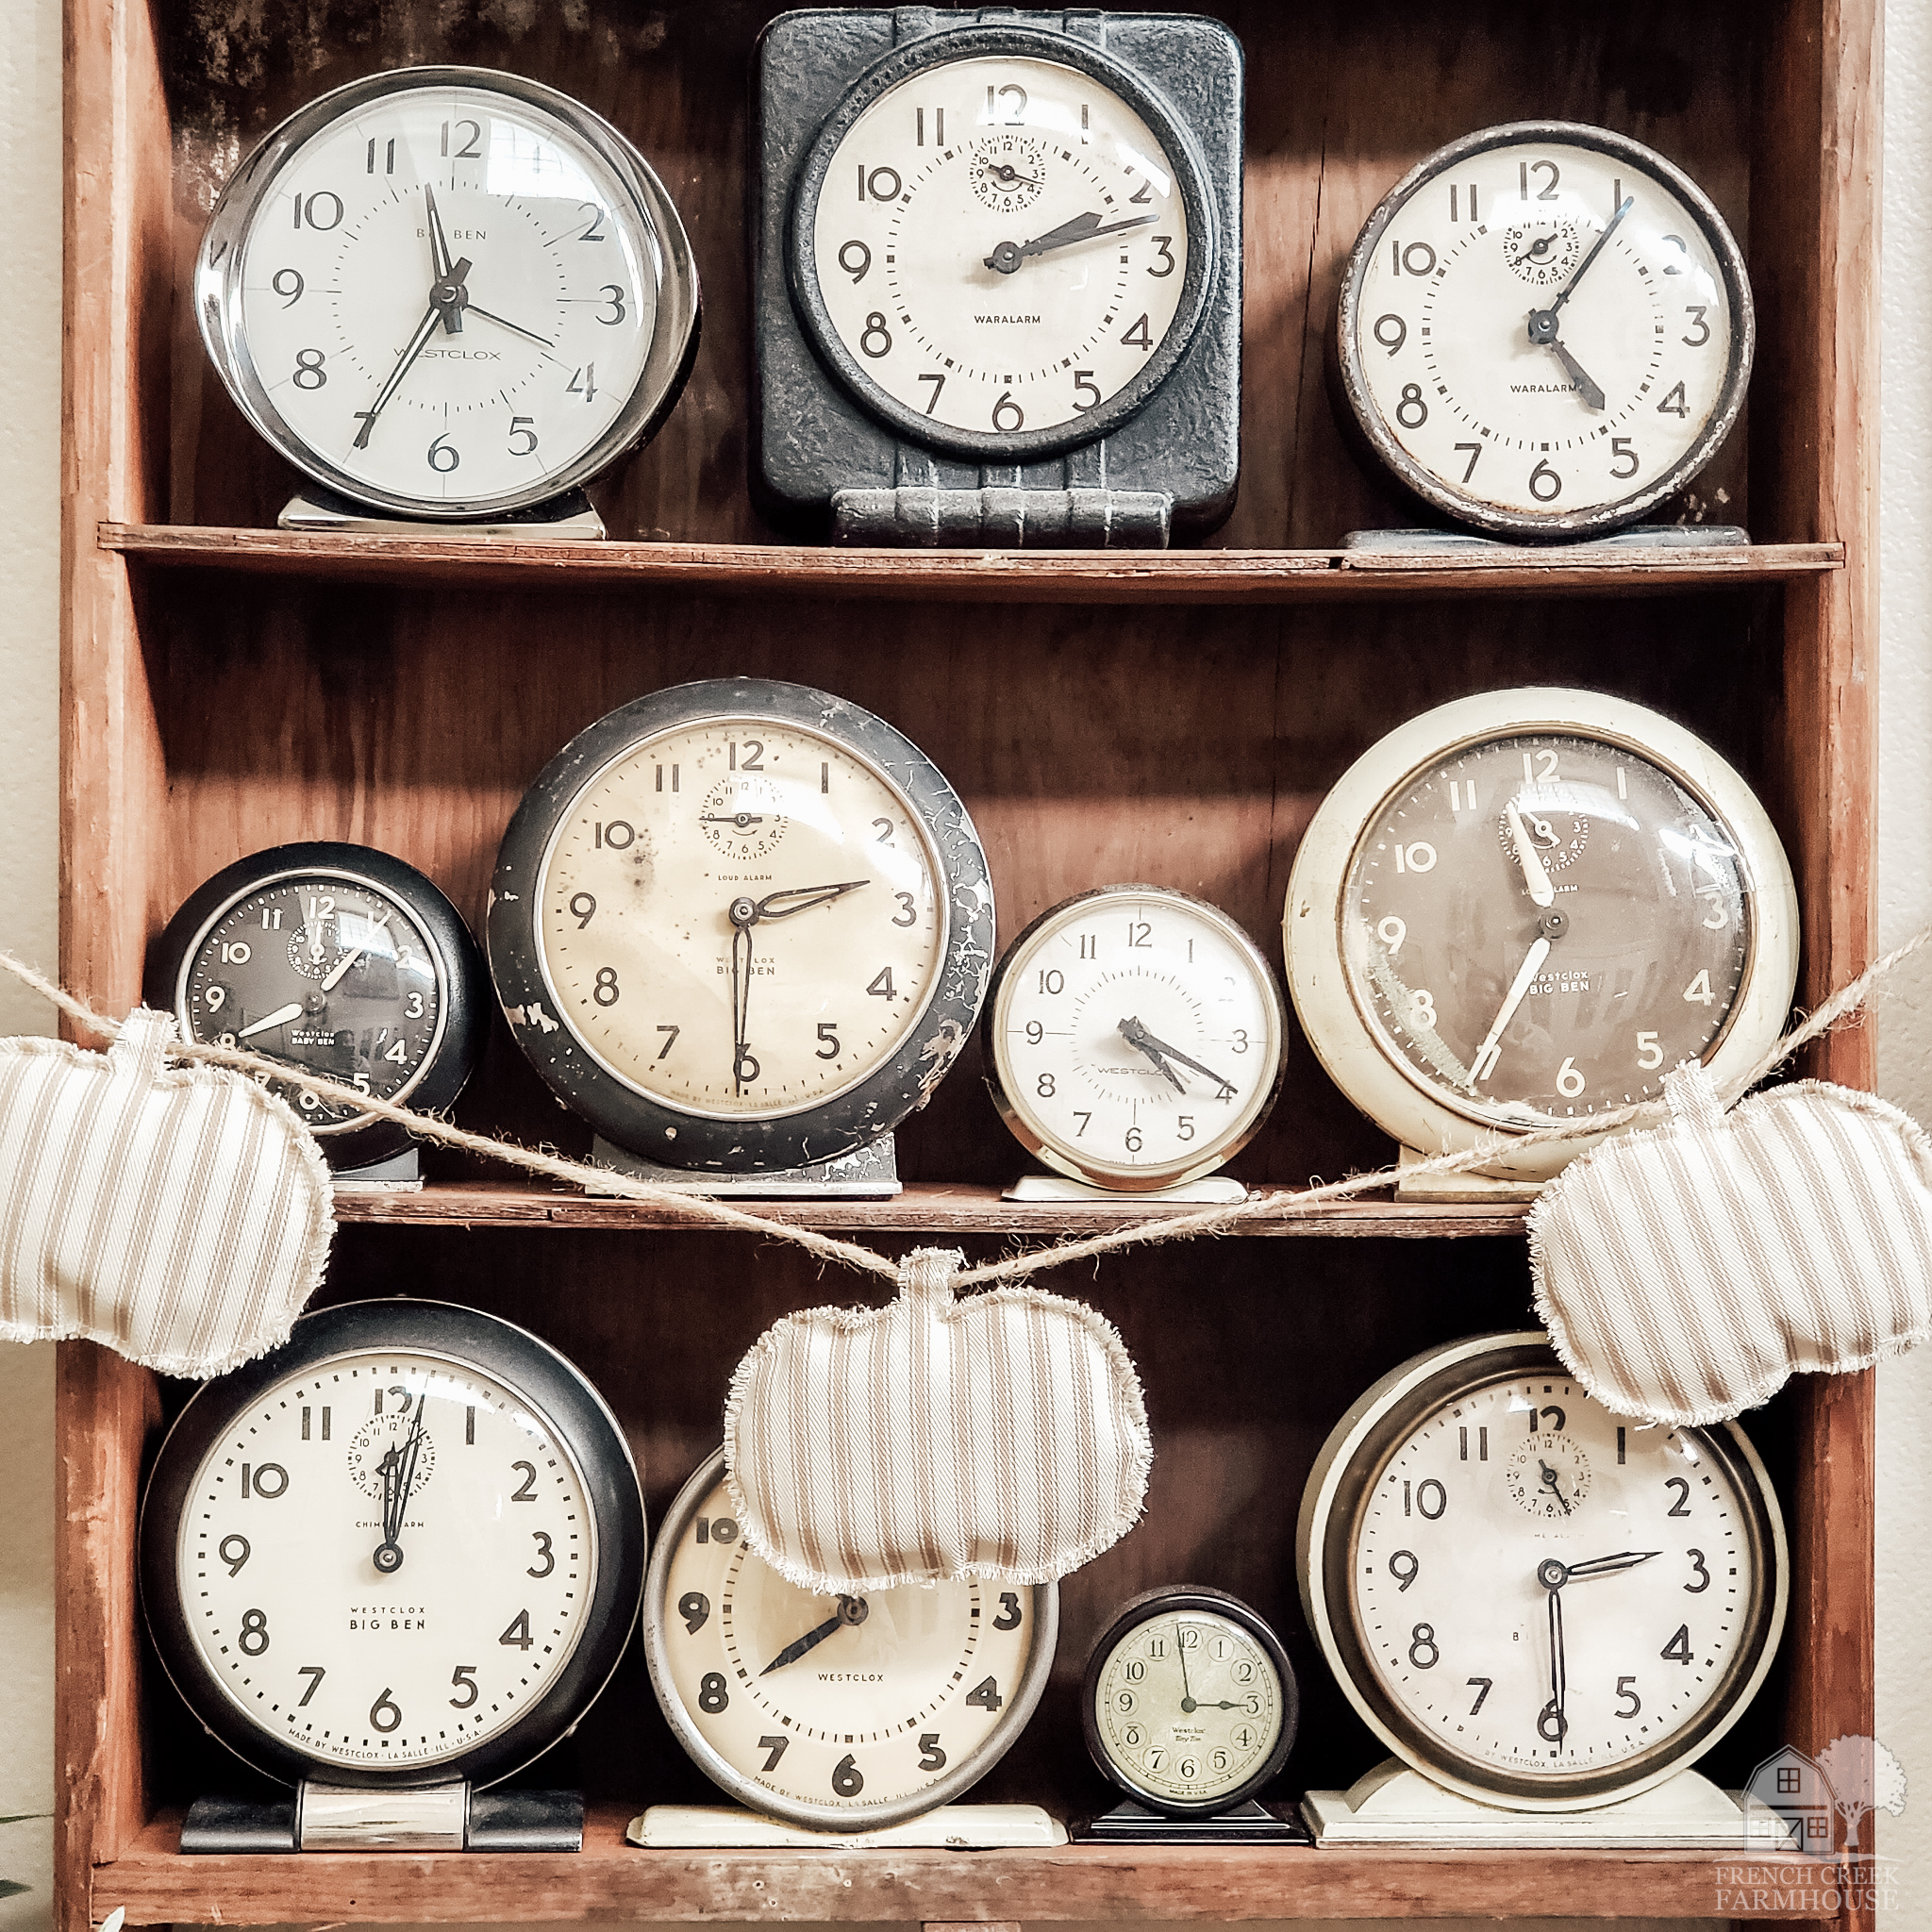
pixel 997 276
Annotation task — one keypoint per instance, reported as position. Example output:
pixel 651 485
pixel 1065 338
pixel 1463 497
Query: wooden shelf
pixel 927 1207
pixel 611 1879
pixel 953 576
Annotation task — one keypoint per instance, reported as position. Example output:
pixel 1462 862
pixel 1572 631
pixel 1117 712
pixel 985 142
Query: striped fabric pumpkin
pixel 1002 1437
pixel 1686 1272
pixel 181 1216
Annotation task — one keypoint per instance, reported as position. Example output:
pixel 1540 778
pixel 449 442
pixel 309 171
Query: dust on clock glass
pixel 1541 925
pixel 1000 250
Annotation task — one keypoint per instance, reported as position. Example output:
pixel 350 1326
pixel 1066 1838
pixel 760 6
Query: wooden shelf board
pixel 925 1207
pixel 612 1879
pixel 994 576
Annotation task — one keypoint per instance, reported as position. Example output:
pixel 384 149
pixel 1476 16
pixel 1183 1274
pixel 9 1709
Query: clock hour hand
pixel 1009 255
pixel 1489 1053
pixel 770 906
pixel 1608 1566
pixel 740 819
pixel 1587 387
pixel 851 1609
pixel 398 1468
pixel 448 291
pixel 1137 1037
pixel 280 1017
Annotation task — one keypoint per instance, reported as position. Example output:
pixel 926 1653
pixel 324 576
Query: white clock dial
pixel 387 1559
pixel 450 295
pixel 740 917
pixel 1544 330
pixel 843 1711
pixel 1137 1037
pixel 1001 244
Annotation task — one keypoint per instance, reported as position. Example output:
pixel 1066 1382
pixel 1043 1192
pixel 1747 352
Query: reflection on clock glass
pixel 387 1559
pixel 1001 244
pixel 1542 926
pixel 740 917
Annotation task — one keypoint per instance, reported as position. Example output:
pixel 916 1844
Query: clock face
pixel 1137 1036
pixel 842 1712
pixel 443 295
pixel 1187 1707
pixel 1534 1598
pixel 326 972
pixel 1546 332
pixel 1000 244
pixel 742 917
pixel 386 1558
pixel 1540 926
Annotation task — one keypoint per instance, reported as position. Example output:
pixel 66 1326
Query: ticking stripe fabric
pixel 1002 1437
pixel 1686 1272
pixel 179 1215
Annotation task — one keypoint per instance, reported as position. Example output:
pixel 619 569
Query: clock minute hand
pixel 1542 321
pixel 448 293
pixel 1083 227
pixel 1487 1055
pixel 424 329
pixel 349 959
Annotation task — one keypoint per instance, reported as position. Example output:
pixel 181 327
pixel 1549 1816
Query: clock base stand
pixel 870 1174
pixel 1459 1187
pixel 1251 1824
pixel 434 1818
pixel 1211 1191
pixel 401 1173
pixel 1394 1805
pixel 1637 536
pixel 566 519
pixel 731 1827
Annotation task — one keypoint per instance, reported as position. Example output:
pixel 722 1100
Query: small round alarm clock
pixel 1189 1704
pixel 839 1712
pixel 1544 330
pixel 1135 1038
pixel 1529 1600
pixel 1524 908
pixel 741 925
pixel 336 960
pixel 448 293
pixel 404 1548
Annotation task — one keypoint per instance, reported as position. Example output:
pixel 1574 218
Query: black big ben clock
pixel 997 276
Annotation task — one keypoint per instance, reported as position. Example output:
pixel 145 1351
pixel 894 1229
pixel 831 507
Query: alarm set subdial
pixel 1543 253
pixel 1548 1476
pixel 744 817
pixel 383 1439
pixel 1009 171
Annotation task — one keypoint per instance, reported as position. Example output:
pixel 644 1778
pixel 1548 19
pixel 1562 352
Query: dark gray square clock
pixel 997 276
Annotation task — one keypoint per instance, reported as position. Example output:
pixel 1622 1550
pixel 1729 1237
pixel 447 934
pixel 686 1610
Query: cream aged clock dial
pixel 1545 329
pixel 448 293
pixel 1530 1600
pixel 1526 908
pixel 842 1712
pixel 741 925
pixel 403 1548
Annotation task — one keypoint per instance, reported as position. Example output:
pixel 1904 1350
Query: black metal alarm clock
pixel 997 276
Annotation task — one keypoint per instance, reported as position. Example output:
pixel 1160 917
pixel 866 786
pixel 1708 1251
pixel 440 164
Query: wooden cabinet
pixel 1170 718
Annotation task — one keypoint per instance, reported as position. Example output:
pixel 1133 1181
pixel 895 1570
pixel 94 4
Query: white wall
pixel 29 790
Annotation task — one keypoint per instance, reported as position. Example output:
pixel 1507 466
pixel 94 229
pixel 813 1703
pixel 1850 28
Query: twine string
pixel 1272 1206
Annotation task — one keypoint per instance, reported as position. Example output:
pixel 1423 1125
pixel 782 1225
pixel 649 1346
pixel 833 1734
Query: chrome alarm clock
pixel 448 293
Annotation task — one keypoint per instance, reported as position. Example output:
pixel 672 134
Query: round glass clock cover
pixel 339 961
pixel 1002 241
pixel 1190 1704
pixel 1135 1037
pixel 1526 908
pixel 406 1546
pixel 1545 329
pixel 1530 1599
pixel 448 293
pixel 837 1712
pixel 741 925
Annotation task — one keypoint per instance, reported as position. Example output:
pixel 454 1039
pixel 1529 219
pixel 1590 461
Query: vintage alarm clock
pixel 1523 908
pixel 1533 1602
pixel 340 961
pixel 997 276
pixel 1544 330
pixel 1189 1705
pixel 839 1712
pixel 1135 1038
pixel 403 1550
pixel 741 927
pixel 448 293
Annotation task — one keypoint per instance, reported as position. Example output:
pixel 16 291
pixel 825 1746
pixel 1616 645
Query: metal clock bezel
pixel 1179 1599
pixel 666 248
pixel 1347 1469
pixel 542 1379
pixel 959 1778
pixel 1066 1159
pixel 1439 493
pixel 462 980
pixel 948 47
pixel 1385 1086
pixel 744 1143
